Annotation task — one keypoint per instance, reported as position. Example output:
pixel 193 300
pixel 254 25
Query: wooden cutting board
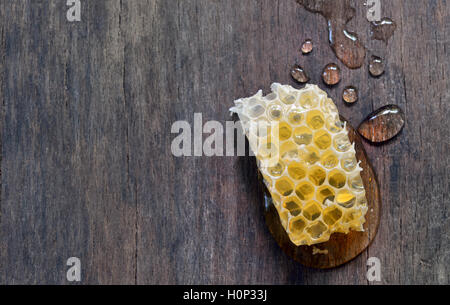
pixel 341 248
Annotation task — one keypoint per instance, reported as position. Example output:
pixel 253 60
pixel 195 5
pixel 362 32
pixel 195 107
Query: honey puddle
pixel 345 44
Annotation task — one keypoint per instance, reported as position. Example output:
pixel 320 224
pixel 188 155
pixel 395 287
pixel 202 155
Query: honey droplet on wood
pixel 331 74
pixel 350 95
pixel 299 74
pixel 382 124
pixel 307 46
pixel 376 66
pixel 383 29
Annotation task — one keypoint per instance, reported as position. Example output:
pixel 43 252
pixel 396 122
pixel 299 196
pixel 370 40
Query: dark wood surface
pixel 86 167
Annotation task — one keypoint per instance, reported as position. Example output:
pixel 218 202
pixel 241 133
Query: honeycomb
pixel 308 163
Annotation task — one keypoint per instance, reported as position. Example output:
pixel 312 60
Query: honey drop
pixel 331 74
pixel 299 74
pixel 376 66
pixel 350 95
pixel 307 46
pixel 383 124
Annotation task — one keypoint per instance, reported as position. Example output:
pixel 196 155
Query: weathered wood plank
pixel 65 189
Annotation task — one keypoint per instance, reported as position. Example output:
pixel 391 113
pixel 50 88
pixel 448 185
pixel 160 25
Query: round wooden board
pixel 341 248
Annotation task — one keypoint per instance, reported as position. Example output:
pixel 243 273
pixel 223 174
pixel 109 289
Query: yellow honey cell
pixel 317 175
pixel 303 135
pixel 293 205
pixel 289 151
pixel 322 139
pixel 331 215
pixel 329 160
pixel 337 179
pixel 316 230
pixel 307 161
pixel 283 130
pixel 297 170
pixel 276 170
pixel 311 155
pixel 297 226
pixel 312 211
pixel 325 193
pixel 284 186
pixel 315 119
pixel 346 198
pixel 305 191
pixel 295 116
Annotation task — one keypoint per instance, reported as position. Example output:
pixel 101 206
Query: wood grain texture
pixel 86 168
pixel 341 248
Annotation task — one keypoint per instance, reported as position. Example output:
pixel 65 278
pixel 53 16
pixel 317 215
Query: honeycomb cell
pixel 303 135
pixel 315 119
pixel 342 143
pixel 346 199
pixel 325 193
pixel 317 175
pixel 283 131
pixel 275 112
pixel 349 162
pixel 331 215
pixel 287 96
pixel 316 230
pixel 329 160
pixel 334 124
pixel 305 191
pixel 296 226
pixel 322 139
pixel 256 111
pixel 337 179
pixel 295 116
pixel 284 186
pixel 361 199
pixel 311 155
pixel 309 100
pixel 288 99
pixel 352 215
pixel 328 106
pixel 297 170
pixel 293 205
pixel 289 151
pixel 356 183
pixel 267 150
pixel 312 211
pixel 270 97
pixel 307 161
pixel 276 170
